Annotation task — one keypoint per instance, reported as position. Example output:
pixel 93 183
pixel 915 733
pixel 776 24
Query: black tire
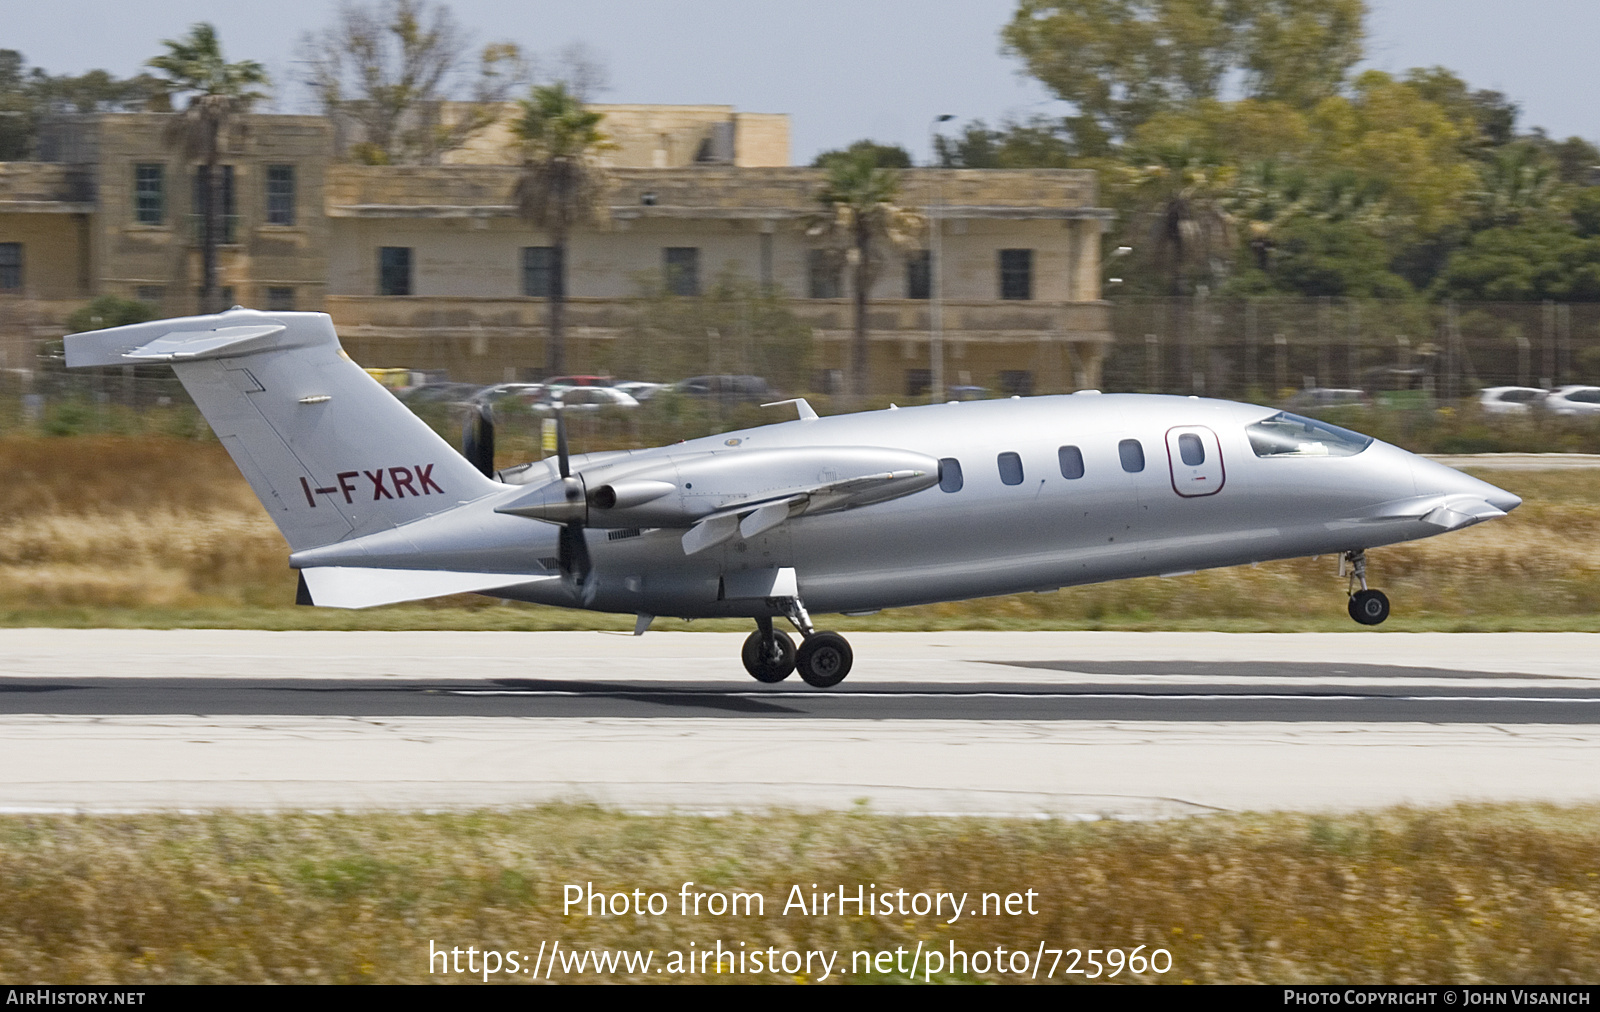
pixel 1369 607
pixel 768 662
pixel 824 659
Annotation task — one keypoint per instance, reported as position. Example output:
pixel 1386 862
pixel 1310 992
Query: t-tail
pixel 330 452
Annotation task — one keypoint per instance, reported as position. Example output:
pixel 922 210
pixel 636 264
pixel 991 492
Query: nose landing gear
pixel 823 659
pixel 1367 606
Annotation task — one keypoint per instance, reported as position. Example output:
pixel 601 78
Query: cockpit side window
pixel 1286 435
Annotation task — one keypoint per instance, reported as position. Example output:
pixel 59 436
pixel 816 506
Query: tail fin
pixel 328 450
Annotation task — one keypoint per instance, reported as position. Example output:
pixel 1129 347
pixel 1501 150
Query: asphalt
pixel 1128 725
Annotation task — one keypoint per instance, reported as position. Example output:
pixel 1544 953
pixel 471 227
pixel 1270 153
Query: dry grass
pixel 1468 895
pixel 152 531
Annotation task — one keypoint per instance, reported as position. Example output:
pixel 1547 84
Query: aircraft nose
pixel 1503 500
pixel 1433 477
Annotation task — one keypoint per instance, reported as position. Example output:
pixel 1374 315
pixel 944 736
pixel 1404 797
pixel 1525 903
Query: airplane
pixel 848 514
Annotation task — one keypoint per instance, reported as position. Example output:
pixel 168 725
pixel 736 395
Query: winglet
pixel 807 412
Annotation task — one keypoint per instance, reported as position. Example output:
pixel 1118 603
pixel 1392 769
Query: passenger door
pixel 1194 455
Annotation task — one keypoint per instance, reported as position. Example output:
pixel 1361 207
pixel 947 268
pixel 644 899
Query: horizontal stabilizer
pixel 353 587
pixel 193 345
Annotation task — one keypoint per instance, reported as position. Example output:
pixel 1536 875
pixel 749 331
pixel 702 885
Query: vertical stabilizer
pixel 329 451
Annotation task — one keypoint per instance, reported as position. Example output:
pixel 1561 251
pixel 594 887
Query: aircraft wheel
pixel 768 660
pixel 824 659
pixel 1369 607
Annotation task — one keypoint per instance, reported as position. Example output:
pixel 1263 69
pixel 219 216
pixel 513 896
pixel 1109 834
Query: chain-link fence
pixel 1401 354
pixel 1269 348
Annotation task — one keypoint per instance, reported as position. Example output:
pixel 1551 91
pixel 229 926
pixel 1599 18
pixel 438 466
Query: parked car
pixel 727 388
pixel 639 390
pixel 1329 397
pixel 1510 400
pixel 578 381
pixel 525 393
pixel 581 399
pixel 438 393
pixel 1574 400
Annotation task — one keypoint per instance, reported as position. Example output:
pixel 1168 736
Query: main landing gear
pixel 1367 606
pixel 823 658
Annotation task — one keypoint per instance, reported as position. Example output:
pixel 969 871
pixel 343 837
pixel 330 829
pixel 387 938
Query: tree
pixel 559 186
pixel 1121 62
pixel 884 156
pixel 860 215
pixel 219 94
pixel 1040 143
pixel 1182 197
pixel 389 68
pixel 27 96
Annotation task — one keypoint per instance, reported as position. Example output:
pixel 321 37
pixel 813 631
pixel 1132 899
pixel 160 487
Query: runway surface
pixel 1070 724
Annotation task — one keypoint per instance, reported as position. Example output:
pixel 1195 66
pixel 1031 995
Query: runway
pixel 1066 724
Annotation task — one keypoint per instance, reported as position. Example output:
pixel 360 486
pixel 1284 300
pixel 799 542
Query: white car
pixel 582 399
pixel 1510 400
pixel 1574 400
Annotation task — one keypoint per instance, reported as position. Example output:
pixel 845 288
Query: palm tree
pixel 1182 193
pixel 559 186
pixel 219 93
pixel 860 215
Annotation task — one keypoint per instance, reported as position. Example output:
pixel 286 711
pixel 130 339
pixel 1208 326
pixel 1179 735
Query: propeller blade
pixel 477 439
pixel 573 554
pixel 562 456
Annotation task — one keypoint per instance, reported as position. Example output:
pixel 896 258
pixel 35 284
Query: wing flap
pixel 356 587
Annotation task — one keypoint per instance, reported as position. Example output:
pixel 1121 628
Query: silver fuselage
pixel 988 538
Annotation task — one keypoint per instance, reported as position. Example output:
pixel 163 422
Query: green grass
pixel 1503 894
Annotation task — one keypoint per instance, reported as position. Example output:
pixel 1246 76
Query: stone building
pixel 429 267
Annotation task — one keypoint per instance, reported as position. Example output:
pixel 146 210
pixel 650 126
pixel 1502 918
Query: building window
pixel 1016 274
pixel 149 194
pixel 541 272
pixel 919 275
pixel 10 266
pixel 394 270
pixel 918 382
pixel 280 195
pixel 225 294
pixel 1132 453
pixel 280 299
pixel 824 274
pixel 227 223
pixel 683 270
pixel 152 294
pixel 1016 382
pixel 1010 468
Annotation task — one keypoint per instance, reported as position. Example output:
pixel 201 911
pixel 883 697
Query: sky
pixel 841 69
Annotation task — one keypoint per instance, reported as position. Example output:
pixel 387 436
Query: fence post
pixel 1282 343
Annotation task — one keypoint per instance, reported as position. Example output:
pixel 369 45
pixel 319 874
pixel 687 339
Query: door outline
pixel 1212 471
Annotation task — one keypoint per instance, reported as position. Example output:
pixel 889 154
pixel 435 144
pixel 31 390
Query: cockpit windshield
pixel 1286 435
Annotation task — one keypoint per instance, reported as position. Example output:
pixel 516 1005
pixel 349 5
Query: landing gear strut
pixel 823 659
pixel 1367 606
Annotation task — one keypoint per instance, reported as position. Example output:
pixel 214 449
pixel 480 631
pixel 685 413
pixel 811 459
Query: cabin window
pixel 950 475
pixel 1071 461
pixel 1286 435
pixel 1132 453
pixel 1191 449
pixel 1010 468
